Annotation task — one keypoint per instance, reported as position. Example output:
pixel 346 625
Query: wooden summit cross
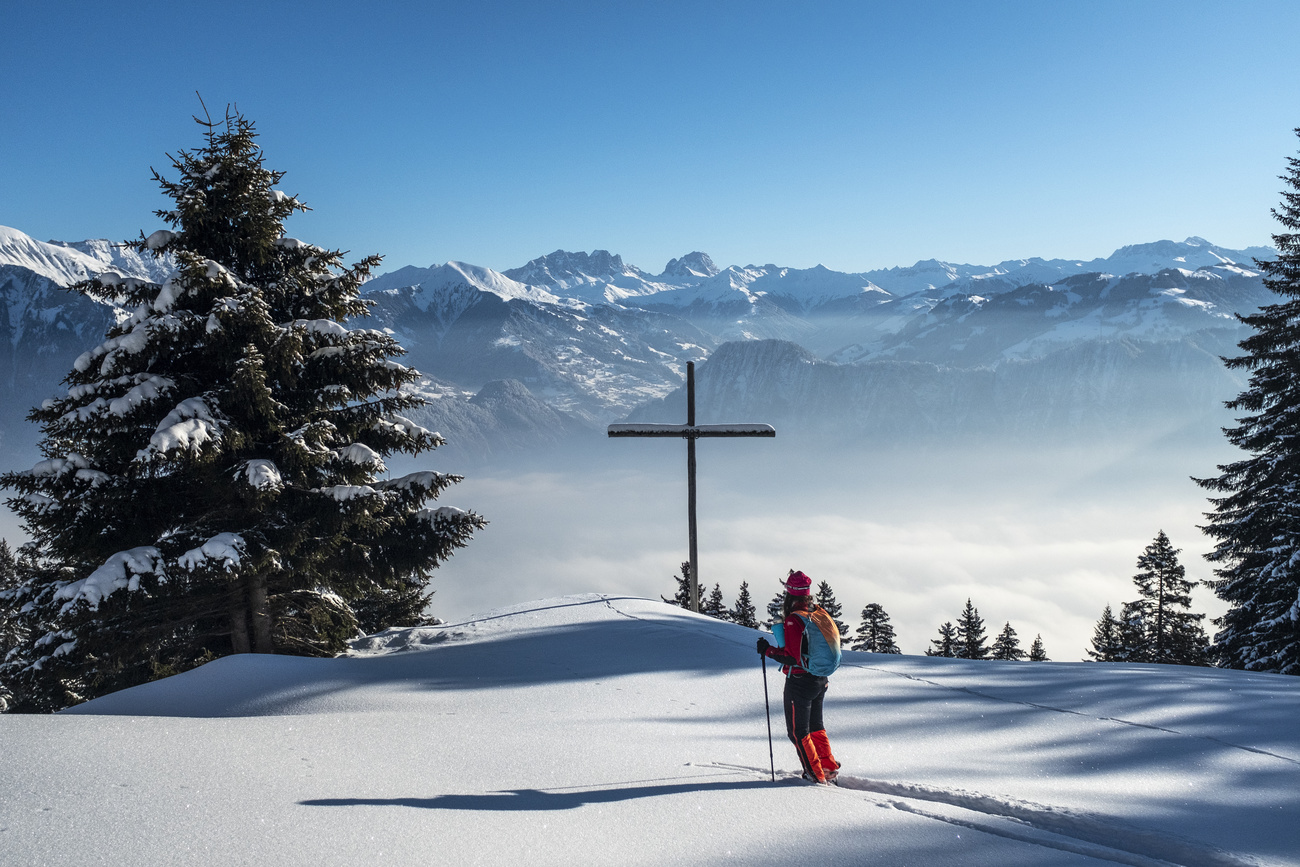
pixel 691 432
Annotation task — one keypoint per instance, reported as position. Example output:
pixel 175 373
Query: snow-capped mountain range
pixel 588 338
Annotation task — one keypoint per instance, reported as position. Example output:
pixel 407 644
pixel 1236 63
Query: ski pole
pixel 768 705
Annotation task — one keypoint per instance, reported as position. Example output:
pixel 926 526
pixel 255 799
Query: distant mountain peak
pixel 695 264
pixel 563 267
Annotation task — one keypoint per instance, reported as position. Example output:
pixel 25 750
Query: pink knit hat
pixel 798 584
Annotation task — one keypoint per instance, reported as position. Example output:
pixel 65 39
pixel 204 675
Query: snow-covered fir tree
pixel 971 643
pixel 825 597
pixel 1038 653
pixel 682 597
pixel 1106 646
pixel 946 644
pixel 1006 646
pixel 875 633
pixel 1256 517
pixel 715 605
pixel 213 480
pixel 1174 634
pixel 10 633
pixel 8 610
pixel 743 612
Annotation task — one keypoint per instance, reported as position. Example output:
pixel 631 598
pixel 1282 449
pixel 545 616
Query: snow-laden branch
pixel 121 571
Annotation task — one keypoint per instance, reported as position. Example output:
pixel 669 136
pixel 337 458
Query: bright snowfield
pixel 613 730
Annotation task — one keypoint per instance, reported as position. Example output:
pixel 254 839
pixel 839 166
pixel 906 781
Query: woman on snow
pixel 804 692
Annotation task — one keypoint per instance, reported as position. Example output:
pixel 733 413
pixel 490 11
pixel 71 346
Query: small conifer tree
pixel 1174 634
pixel 212 476
pixel 1006 646
pixel 1037 653
pixel 775 609
pixel 825 598
pixel 971 643
pixel 1106 645
pixel 715 606
pixel 743 612
pixel 682 598
pixel 1133 630
pixel 946 644
pixel 875 634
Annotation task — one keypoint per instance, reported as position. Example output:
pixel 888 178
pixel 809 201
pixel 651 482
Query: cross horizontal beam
pixel 691 431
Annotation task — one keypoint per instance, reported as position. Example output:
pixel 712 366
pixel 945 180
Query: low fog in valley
pixel 1041 537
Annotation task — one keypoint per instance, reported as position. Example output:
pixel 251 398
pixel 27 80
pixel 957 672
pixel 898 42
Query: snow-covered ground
pixel 614 730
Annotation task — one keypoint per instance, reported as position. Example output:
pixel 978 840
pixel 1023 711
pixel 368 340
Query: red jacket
pixel 789 655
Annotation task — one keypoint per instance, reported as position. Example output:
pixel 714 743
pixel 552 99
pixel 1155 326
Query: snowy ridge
pixel 63 265
pixel 429 284
pixel 596 721
pixel 600 277
pixel 67 263
pixel 589 338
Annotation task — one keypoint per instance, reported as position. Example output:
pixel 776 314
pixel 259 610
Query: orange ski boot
pixel 812 766
pixel 822 748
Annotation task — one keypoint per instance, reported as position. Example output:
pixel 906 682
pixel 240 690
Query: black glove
pixel 763 645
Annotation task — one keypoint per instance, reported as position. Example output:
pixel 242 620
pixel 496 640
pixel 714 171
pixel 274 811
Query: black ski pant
pixel 803 697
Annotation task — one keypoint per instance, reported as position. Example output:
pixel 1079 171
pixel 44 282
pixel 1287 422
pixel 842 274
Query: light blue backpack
pixel 820 654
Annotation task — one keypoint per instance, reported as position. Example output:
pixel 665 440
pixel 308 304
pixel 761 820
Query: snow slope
pixel 612 730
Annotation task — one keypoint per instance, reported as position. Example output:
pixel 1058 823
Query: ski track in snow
pixel 1026 822
pixel 1084 714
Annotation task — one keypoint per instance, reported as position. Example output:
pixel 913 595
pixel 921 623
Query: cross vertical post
pixel 690 488
pixel 691 432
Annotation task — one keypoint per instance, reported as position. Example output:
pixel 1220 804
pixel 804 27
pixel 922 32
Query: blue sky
pixel 855 135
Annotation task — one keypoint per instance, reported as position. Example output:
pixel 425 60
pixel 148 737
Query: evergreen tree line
pixel 875 633
pixel 967 639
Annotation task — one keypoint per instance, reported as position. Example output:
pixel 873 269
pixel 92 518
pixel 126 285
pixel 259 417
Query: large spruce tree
pixel 10 634
pixel 213 480
pixel 1256 516
pixel 875 634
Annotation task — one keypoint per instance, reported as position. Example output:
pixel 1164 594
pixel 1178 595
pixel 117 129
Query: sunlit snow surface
pixel 613 730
